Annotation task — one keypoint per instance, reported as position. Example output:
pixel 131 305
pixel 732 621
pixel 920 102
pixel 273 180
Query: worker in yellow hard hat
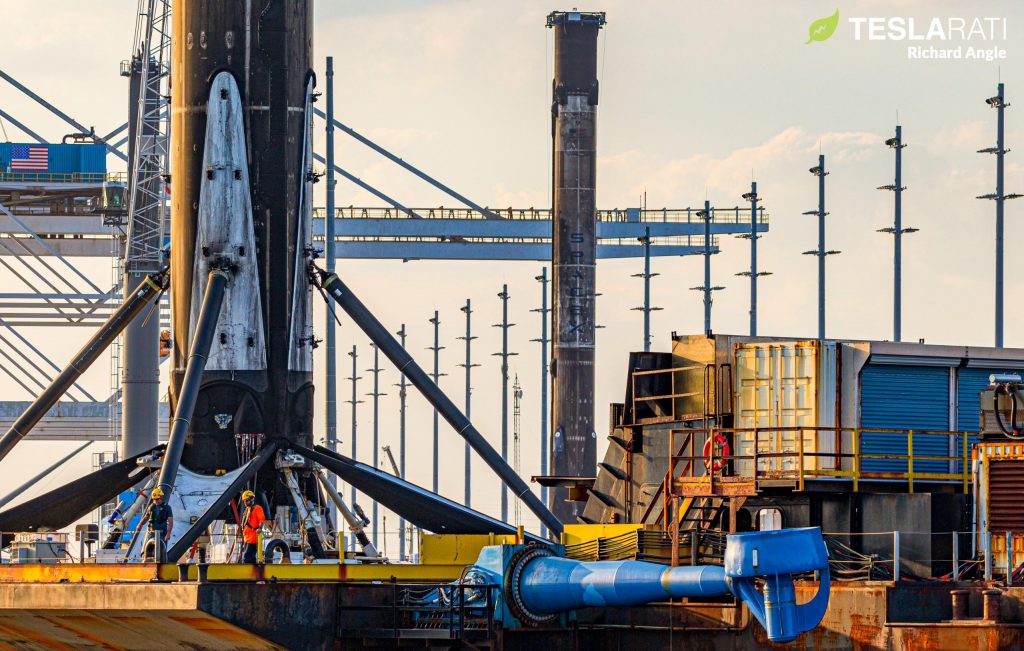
pixel 161 518
pixel 252 519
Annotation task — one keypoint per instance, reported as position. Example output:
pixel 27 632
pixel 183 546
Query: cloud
pixel 635 170
pixel 961 138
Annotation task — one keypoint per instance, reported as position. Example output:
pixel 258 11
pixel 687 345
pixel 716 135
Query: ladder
pixel 147 200
pixel 114 399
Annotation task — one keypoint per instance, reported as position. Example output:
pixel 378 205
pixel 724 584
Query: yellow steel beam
pixel 84 572
pixel 58 573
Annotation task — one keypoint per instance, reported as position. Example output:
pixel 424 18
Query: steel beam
pixel 47 247
pixel 366 186
pixel 206 328
pixel 140 298
pixel 13 495
pixel 493 251
pixel 453 228
pixel 545 425
pixel 331 334
pixel 398 161
pixel 405 364
pixel 29 132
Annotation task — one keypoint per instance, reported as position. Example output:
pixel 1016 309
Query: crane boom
pixel 391 460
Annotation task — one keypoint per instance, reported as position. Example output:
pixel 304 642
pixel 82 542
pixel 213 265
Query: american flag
pixel 30 157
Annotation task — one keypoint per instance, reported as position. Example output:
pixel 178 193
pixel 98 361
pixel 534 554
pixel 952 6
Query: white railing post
pixel 895 555
pixel 956 557
pixel 988 555
pixel 1009 558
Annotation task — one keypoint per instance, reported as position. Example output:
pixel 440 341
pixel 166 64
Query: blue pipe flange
pixel 775 556
pixel 513 575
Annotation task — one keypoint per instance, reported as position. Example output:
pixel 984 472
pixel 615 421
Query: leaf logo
pixel 823 28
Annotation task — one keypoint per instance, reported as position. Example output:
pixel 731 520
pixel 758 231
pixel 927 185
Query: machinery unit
pixel 39 547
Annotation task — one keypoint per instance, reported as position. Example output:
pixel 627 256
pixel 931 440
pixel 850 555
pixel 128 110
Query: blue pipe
pixel 540 584
pixel 555 585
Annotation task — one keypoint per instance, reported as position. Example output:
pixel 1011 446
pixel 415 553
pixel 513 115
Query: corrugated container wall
pixel 904 398
pixel 789 385
pixel 63 159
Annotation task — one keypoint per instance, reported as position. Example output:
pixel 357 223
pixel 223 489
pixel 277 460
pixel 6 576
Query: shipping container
pixel 787 385
pixel 876 390
pixel 71 163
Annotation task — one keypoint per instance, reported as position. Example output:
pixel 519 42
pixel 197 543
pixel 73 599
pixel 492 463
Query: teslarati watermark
pixel 954 37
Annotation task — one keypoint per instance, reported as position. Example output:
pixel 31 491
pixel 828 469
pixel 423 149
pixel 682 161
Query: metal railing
pixel 797 454
pixel 454 611
pixel 63 177
pixel 712 399
pixel 948 556
pixel 614 215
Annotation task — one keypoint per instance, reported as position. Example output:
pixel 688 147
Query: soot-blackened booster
pixel 241 179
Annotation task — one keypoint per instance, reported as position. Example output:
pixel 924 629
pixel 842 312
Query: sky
pixel 696 100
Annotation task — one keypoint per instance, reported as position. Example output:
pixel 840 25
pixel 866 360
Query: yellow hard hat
pixel 247 494
pixel 158 493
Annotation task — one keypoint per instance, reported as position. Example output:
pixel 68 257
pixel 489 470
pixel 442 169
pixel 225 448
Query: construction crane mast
pixel 149 131
pixel 391 460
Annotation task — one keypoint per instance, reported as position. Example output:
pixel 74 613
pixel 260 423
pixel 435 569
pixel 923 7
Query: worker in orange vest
pixel 252 520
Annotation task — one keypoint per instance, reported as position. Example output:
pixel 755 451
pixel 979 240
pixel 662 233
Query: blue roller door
pixel 904 397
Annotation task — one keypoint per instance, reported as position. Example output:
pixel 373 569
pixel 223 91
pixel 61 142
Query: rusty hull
pixel 298 613
pixel 861 616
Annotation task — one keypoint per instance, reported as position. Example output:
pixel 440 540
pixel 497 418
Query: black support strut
pixel 206 327
pixel 152 285
pixel 406 365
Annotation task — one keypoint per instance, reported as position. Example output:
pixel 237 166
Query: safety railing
pixel 137 545
pixel 670 240
pixel 63 177
pixel 925 556
pixel 853 556
pixel 715 458
pixel 454 611
pixel 696 391
pixel 615 215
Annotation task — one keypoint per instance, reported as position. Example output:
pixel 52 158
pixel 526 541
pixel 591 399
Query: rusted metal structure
pixel 282 606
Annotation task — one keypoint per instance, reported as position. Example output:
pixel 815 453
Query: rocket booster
pixel 241 152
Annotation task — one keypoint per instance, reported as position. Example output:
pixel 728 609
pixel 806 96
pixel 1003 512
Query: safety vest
pixel 159 515
pixel 252 520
